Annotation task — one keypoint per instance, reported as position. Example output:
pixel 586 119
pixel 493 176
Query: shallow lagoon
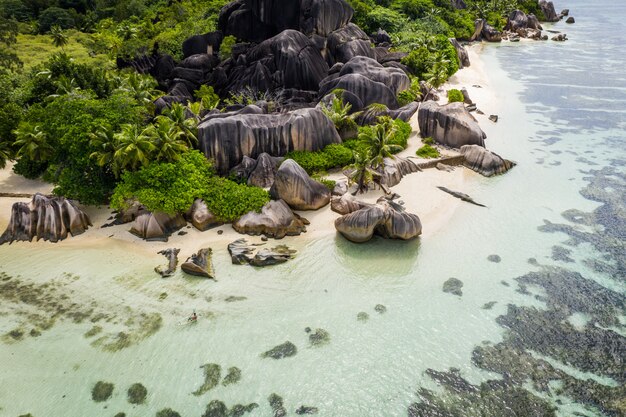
pixel 561 116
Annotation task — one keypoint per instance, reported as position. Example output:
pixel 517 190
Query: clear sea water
pixel 562 119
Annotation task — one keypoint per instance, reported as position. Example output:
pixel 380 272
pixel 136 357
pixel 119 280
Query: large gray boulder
pixel 227 140
pixel 172 262
pixel 259 172
pixel 485 162
pixel 200 216
pixel 450 125
pixel 297 189
pixel 156 226
pixel 346 204
pixel 484 31
pixel 47 218
pixel 348 42
pixel 287 60
pixel 518 21
pixel 200 264
pixel 547 7
pixel 365 81
pixel 461 52
pixel 385 218
pixel 394 169
pixel 275 220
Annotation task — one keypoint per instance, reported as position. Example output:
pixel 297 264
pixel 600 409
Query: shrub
pixel 428 152
pixel 330 184
pixel 455 95
pixel 332 156
pixel 383 18
pixel 428 141
pixel 55 16
pixel 403 131
pixel 229 200
pixel 226 48
pixel 208 97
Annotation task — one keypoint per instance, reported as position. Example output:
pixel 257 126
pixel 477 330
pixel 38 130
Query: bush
pixel 330 184
pixel 55 16
pixel 383 18
pixel 455 95
pixel 172 188
pixel 427 152
pixel 226 48
pixel 428 141
pixel 332 156
pixel 403 131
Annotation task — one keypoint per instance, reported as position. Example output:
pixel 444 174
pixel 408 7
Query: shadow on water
pixel 378 257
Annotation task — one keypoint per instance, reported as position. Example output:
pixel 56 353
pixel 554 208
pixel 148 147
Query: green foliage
pixel 59 37
pixel 172 188
pixel 382 18
pixel 9 60
pixel 382 140
pixel 332 156
pixel 166 187
pixel 207 96
pixel 413 93
pixel 427 151
pixel 428 141
pixel 455 95
pixel 434 59
pixel 339 113
pixel 330 184
pixel 55 16
pixel 226 48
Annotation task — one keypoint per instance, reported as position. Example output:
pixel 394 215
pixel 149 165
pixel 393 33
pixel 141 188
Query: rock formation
pixel 200 216
pixel 461 52
pixel 227 140
pixel 172 258
pixel 484 31
pixel 200 264
pixel 485 162
pixel 547 7
pixel 461 196
pixel 259 172
pixel 394 169
pixel 275 220
pixel 365 81
pixel 241 253
pixel 47 218
pixel 156 226
pixel 386 218
pixel 297 189
pixel 450 124
pixel 348 42
pixel 346 204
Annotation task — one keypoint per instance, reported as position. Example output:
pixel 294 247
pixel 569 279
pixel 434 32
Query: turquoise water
pixel 562 118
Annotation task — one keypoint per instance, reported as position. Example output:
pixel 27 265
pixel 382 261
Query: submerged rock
pixel 276 255
pixel 450 124
pixel 232 376
pixel 485 162
pixel 453 286
pixel 167 412
pixel 156 226
pixel 297 189
pixel 306 410
pixel 284 350
pixel 200 264
pixel 212 375
pixel 380 309
pixel 102 391
pixel 319 338
pixel 461 196
pixel 275 220
pixel 47 218
pixel 494 258
pixel 362 316
pixel 172 256
pixel 240 252
pixel 137 394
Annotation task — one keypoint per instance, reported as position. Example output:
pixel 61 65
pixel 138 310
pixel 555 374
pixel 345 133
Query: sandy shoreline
pixel 417 190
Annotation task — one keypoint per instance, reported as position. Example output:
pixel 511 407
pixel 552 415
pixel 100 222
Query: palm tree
pixel 142 88
pixel 168 139
pixel 32 143
pixel 361 172
pixel 379 141
pixel 6 154
pixel 59 37
pixel 104 141
pixel 177 114
pixel 132 148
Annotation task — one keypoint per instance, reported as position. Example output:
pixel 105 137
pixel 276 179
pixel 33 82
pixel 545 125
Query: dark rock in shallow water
pixel 240 252
pixel 167 412
pixel 284 350
pixel 227 140
pixel 489 305
pixel 306 410
pixel 380 309
pixel 276 255
pixel 453 286
pixel 494 258
pixel 276 402
pixel 137 394
pixel 461 196
pixel 293 185
pixel 102 391
pixel 200 264
pixel 362 316
pixel 451 125
pixel 156 226
pixel 561 37
pixel 232 376
pixel 319 338
pixel 547 7
pixel 275 220
pixel 485 162
pixel 47 218
pixel 212 375
pixel 172 257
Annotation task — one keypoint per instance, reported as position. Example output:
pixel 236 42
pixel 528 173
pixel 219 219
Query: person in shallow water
pixel 193 317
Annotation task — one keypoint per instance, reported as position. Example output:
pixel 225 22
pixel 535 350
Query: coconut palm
pixel 140 87
pixel 360 172
pixel 132 148
pixel 32 143
pixel 6 154
pixel 103 140
pixel 379 141
pixel 168 139
pixel 178 115
pixel 59 37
